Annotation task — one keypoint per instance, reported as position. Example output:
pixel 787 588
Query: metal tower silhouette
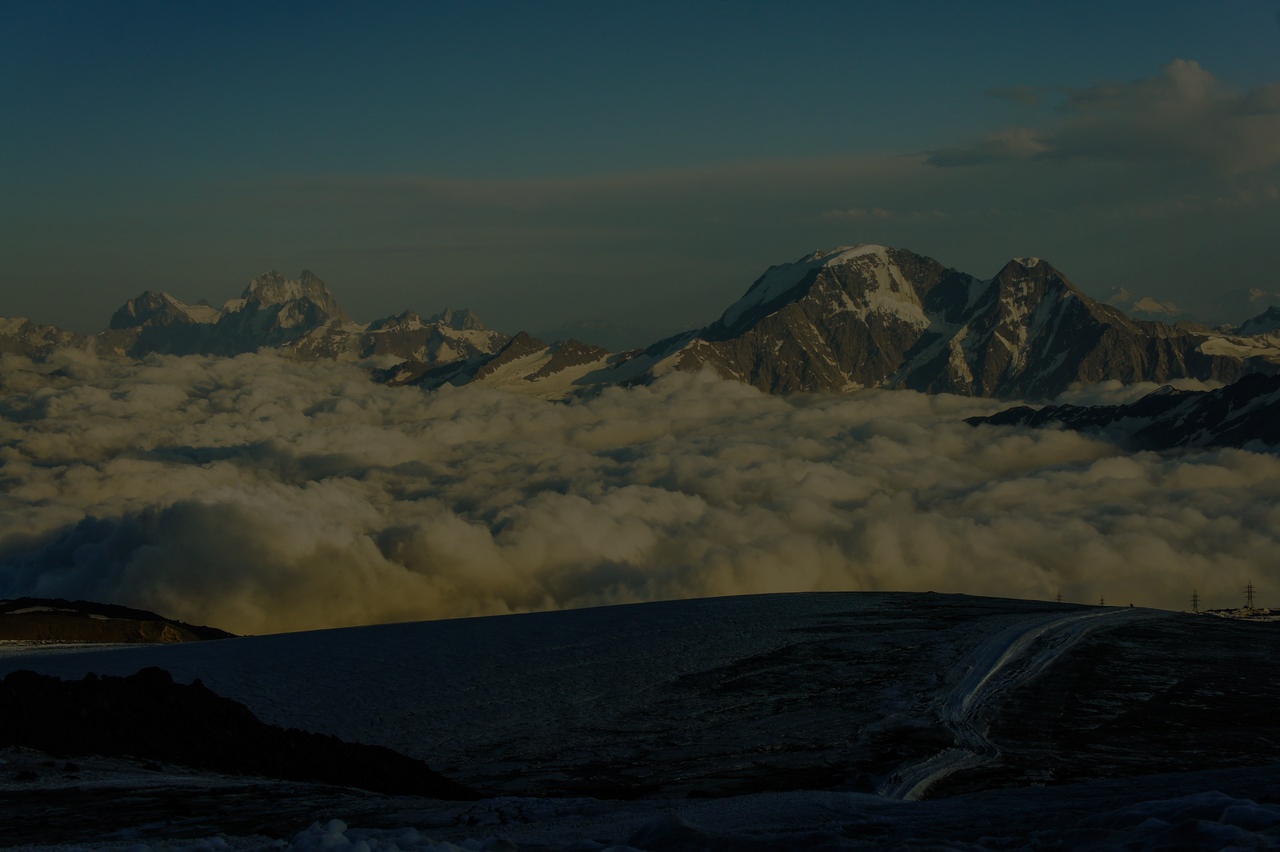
pixel 1195 601
pixel 1248 595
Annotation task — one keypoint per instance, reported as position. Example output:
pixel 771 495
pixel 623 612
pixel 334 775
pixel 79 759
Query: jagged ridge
pixel 872 316
pixel 1245 413
pixel 863 316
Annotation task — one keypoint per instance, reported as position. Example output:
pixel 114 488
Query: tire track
pixel 995 668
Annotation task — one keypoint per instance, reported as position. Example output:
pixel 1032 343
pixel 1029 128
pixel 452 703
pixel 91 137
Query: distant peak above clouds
pixel 272 288
pixel 460 320
pixel 856 316
pixel 779 280
pixel 876 317
pixel 872 316
pixel 1267 322
pixel 299 315
pixel 151 308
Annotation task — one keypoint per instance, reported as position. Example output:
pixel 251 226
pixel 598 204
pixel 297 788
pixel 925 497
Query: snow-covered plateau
pixel 804 721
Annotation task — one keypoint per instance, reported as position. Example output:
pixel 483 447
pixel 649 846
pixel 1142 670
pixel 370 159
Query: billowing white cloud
pixel 262 494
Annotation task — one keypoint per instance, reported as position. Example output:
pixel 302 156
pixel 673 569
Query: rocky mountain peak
pixel 160 309
pixel 272 288
pixel 139 310
pixel 872 316
pixel 789 281
pixel 1264 323
pixel 405 319
pixel 1031 269
pixel 460 320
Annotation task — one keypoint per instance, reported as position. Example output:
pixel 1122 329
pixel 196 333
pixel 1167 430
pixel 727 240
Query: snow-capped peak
pixel 272 288
pixel 777 280
pixel 1028 262
pixel 151 308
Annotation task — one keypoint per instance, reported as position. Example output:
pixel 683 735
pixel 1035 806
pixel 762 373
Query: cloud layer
pixel 261 494
pixel 1183 116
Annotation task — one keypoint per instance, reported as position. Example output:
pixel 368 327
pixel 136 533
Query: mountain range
pixel 856 317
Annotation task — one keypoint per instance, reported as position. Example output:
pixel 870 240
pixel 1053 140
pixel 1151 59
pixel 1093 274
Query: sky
pixel 630 162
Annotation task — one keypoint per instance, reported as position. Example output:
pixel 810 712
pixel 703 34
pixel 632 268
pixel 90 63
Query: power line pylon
pixel 1248 595
pixel 1058 597
pixel 1195 601
pixel 1102 601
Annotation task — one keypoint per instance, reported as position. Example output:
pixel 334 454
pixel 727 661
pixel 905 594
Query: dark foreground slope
pixel 778 721
pixel 1179 694
pixel 147 715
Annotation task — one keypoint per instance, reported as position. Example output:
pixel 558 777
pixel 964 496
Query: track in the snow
pixel 996 667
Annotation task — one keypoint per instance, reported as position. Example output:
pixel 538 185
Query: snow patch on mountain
pixel 1237 347
pixel 778 280
pixel 199 313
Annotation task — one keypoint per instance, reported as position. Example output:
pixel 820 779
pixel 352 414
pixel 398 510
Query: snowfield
pixel 777 721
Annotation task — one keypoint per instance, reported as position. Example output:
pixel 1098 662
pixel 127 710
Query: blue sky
pixel 628 161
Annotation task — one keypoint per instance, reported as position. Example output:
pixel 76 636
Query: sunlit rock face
pixel 871 316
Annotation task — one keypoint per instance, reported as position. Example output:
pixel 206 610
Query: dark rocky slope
pixel 1243 414
pixel 147 715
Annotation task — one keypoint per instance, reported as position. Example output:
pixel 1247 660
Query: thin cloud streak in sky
pixel 262 494
pixel 1184 116
pixel 1164 184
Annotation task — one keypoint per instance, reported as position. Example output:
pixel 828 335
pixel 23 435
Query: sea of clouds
pixel 263 494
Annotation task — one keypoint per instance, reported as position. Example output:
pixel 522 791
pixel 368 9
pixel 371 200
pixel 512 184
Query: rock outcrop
pixel 1243 414
pixel 148 716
